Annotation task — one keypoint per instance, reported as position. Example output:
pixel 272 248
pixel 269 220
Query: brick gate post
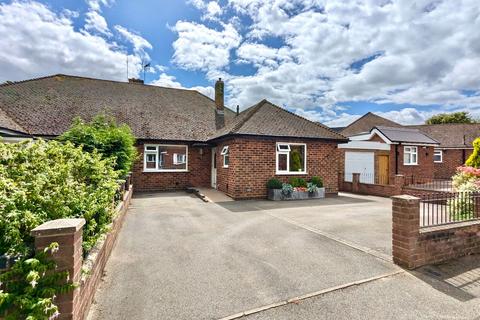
pixel 405 230
pixel 68 234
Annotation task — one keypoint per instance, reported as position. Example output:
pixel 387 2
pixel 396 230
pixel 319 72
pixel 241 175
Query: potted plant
pixel 296 189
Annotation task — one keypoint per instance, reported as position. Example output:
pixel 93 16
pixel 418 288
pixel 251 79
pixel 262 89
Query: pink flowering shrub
pixel 466 179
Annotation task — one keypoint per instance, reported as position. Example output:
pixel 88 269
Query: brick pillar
pixel 355 182
pixel 405 231
pixel 399 181
pixel 68 234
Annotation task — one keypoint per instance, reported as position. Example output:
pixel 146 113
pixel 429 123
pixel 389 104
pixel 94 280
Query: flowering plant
pixel 467 179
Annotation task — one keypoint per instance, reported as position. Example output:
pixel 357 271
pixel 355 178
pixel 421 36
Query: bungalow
pixel 183 137
pixel 387 151
pixel 453 144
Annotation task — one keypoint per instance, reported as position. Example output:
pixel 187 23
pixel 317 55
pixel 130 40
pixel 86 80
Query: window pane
pixel 406 158
pixel 297 158
pixel 282 162
pixel 172 157
pixel 151 161
pixel 226 160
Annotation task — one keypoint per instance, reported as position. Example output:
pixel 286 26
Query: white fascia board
pixel 366 145
pixel 377 132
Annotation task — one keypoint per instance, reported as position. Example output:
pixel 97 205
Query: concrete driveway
pixel 180 258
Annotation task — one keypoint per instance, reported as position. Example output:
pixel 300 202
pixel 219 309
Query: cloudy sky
pixel 330 61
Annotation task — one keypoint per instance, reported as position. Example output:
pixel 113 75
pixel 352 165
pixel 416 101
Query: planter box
pixel 276 194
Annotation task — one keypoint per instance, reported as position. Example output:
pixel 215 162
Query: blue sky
pixel 328 60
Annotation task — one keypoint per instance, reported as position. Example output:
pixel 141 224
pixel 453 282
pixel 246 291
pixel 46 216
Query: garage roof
pixel 404 135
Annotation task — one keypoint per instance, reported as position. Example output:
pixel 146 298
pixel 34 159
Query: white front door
pixel 360 162
pixel 214 168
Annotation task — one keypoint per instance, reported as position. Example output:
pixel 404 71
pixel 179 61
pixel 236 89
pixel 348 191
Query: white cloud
pixel 95 22
pixel 201 48
pixel 165 80
pixel 49 44
pixel 139 43
pixel 96 5
pixel 423 53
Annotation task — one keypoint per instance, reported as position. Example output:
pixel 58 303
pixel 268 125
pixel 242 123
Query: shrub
pixel 105 136
pixel 30 287
pixel 287 189
pixel 474 159
pixel 317 181
pixel 42 181
pixel 274 184
pixel 297 182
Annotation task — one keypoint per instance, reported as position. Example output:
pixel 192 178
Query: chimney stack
pixel 238 109
pixel 219 104
pixel 135 81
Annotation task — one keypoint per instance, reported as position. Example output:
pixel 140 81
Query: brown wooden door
pixel 383 172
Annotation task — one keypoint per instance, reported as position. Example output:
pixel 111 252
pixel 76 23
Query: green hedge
pixel 42 181
pixel 102 134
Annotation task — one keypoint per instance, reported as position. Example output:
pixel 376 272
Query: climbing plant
pixel 29 288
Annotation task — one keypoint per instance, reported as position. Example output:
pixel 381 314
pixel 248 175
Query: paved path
pixel 180 258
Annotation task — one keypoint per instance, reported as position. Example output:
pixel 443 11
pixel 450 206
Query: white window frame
pixel 181 156
pixel 282 150
pixel 411 150
pixel 153 149
pixel 226 154
pixel 440 152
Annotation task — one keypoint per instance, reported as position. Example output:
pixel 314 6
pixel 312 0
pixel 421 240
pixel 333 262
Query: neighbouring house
pixel 456 145
pixel 184 138
pixel 453 145
pixel 384 152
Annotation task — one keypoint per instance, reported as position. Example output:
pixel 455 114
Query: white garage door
pixel 360 162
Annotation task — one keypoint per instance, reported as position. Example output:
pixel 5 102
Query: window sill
pixel 160 171
pixel 410 164
pixel 437 161
pixel 226 167
pixel 279 173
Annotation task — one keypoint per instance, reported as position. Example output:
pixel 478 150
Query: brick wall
pixel 75 304
pixel 252 164
pixel 413 246
pixel 424 168
pixel 198 174
pixel 452 158
pixel 381 190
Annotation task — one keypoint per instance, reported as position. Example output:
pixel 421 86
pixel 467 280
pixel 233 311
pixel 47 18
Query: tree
pixel 105 136
pixel 455 117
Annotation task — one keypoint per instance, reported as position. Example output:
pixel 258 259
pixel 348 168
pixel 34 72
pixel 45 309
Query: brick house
pixel 184 138
pixel 454 143
pixel 387 151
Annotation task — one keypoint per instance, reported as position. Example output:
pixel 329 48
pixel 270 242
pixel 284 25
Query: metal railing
pixel 449 207
pixel 369 178
pixel 423 183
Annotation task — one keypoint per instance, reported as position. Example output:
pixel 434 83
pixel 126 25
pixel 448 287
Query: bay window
pixel 166 158
pixel 291 158
pixel 410 155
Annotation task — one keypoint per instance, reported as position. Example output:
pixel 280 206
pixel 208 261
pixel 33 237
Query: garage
pixel 360 162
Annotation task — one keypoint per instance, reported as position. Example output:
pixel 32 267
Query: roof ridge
pixel 253 109
pixel 321 125
pixel 9 83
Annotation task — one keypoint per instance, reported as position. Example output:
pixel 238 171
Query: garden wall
pixel 380 190
pixel 68 234
pixel 413 246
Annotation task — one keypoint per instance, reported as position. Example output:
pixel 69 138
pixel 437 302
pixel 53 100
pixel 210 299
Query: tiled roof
pixel 405 135
pixel 365 123
pixel 451 135
pixel 267 119
pixel 47 106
